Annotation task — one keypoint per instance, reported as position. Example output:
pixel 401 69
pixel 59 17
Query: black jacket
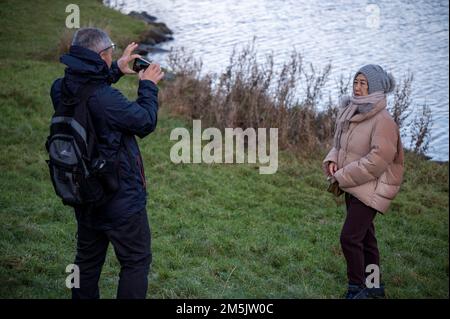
pixel 116 120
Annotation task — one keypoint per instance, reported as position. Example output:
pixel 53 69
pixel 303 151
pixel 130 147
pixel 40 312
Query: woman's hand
pixel 332 168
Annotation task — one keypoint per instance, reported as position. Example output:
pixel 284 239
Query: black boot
pixel 376 293
pixel 356 292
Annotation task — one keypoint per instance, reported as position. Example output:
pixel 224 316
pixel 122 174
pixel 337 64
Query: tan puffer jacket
pixel 370 160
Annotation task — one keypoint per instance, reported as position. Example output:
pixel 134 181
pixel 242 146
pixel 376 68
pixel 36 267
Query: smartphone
pixel 140 64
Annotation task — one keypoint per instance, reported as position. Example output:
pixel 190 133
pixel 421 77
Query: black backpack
pixel 80 176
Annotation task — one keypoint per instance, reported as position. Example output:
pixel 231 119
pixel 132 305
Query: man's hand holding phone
pixel 127 57
pixel 141 66
pixel 152 73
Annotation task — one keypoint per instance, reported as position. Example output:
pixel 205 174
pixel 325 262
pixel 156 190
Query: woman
pixel 367 163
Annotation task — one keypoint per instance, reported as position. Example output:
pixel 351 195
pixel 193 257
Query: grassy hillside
pixel 218 230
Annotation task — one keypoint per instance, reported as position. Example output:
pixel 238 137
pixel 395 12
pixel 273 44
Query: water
pixel 400 35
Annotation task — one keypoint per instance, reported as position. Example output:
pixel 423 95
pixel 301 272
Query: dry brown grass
pixel 251 94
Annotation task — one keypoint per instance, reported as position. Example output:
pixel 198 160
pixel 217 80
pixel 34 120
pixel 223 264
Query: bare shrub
pixel 420 130
pixel 65 40
pixel 325 123
pixel 315 81
pixel 343 85
pixel 402 109
pixel 401 106
pixel 249 94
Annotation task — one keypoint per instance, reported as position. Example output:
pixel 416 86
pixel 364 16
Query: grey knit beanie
pixel 377 78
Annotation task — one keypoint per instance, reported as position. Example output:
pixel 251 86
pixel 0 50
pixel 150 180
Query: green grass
pixel 217 230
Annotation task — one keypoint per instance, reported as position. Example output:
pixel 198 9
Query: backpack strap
pixel 86 92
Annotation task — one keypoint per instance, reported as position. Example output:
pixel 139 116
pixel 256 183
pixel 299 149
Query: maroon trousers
pixel 358 240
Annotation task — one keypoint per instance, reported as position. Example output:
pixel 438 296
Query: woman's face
pixel 360 85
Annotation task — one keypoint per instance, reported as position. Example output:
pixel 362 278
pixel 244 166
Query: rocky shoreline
pixel 157 33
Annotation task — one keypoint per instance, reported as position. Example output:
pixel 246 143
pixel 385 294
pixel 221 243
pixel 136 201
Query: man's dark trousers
pixel 132 246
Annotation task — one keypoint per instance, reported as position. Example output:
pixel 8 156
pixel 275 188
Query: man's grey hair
pixel 91 38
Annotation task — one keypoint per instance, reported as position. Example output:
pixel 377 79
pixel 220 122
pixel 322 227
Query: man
pixel 123 219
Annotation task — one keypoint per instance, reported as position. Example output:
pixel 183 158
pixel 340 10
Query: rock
pixel 144 45
pixel 158 31
pixel 156 35
pixel 145 48
pixel 144 16
pixel 161 26
pixel 148 16
pixel 158 50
